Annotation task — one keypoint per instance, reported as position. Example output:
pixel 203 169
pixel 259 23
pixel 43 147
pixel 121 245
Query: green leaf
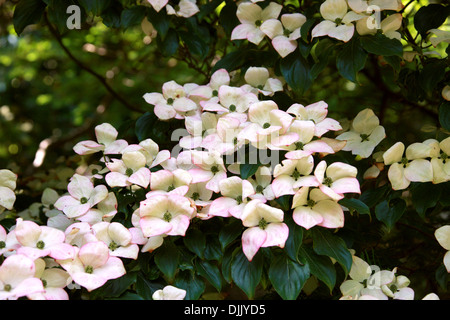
pixel 287 277
pixel 160 20
pixel 146 288
pixel 196 45
pixel 190 282
pixel 248 169
pixel 355 204
pixel 247 274
pixel 296 71
pixel 389 212
pixel 95 6
pixel 327 244
pixel 284 202
pixel 430 17
pixel 167 258
pixel 424 196
pixel 213 250
pixel 230 232
pixel 195 241
pixel 210 272
pixel 227 17
pixel 57 13
pixel 444 115
pixel 115 287
pixel 351 58
pixel 320 266
pixel 132 16
pixel 381 45
pixel 169 45
pixel 323 52
pixel 294 240
pixel 431 74
pixel 231 61
pixel 27 12
pixel 111 15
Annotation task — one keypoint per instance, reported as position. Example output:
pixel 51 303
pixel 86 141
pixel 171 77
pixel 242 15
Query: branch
pixel 84 67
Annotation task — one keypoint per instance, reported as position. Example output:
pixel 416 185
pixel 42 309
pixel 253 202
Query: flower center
pixel 259 189
pixel 170 188
pixel 239 199
pixel 286 32
pixel 338 21
pixel 170 101
pixel 215 93
pixel 40 244
pixel 235 140
pixel 94 171
pixel 364 137
pixel 83 200
pixel 262 224
pixel 258 23
pixel 299 145
pixel 232 108
pixel 89 269
pixel 7 287
pixel 44 283
pixel 444 157
pixel 327 181
pixel 310 203
pixel 129 172
pixel 167 217
pixel 113 246
pixel 195 196
pixel 2 244
pixel 266 125
pixel 214 169
pixel 404 162
pixel 296 174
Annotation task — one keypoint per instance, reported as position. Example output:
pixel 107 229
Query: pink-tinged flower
pixel 265 228
pixel 17 278
pixel 262 184
pixel 284 33
pixel 153 155
pixel 442 235
pixel 8 242
pixel 316 112
pixel 105 210
pixel 182 160
pixel 364 135
pixel 54 281
pixel 338 21
pixel 225 140
pixel 168 214
pixel 199 194
pixel 409 166
pixel 304 145
pixel 7 185
pixel 312 207
pixel 440 161
pixel 336 179
pixel 388 26
pixel 106 136
pixel 172 102
pixel 185 8
pixel 169 293
pixel 41 241
pixel 219 78
pixel 259 79
pixel 82 196
pixel 158 4
pixel 131 169
pixel 93 265
pixel 118 239
pixel 209 167
pixel 198 126
pixel 235 192
pixel 367 6
pixel 148 243
pixel 252 17
pixel 290 175
pixel 173 182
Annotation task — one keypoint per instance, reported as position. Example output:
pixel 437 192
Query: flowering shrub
pixel 259 194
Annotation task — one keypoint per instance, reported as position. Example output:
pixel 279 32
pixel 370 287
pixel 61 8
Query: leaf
pixel 320 266
pixel 111 15
pixel 430 17
pixel 296 71
pixel 284 202
pixel 431 74
pixel 424 196
pixel 230 232
pixel 247 274
pixel 169 45
pixel 57 13
pixel 227 17
pixel 444 115
pixel 27 12
pixel 294 240
pixel 327 244
pixel 231 61
pixel 355 204
pixel 196 45
pixel 195 241
pixel 132 16
pixel 167 258
pixel 146 288
pixel 351 59
pixel 381 45
pixel 95 6
pixel 190 282
pixel 210 272
pixel 323 52
pixel 160 20
pixel 115 287
pixel 213 249
pixel 389 212
pixel 288 277
pixel 248 169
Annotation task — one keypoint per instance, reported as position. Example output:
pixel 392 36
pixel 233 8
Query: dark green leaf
pixel 430 17
pixel 288 277
pixel 115 287
pixel 327 244
pixel 170 44
pixel 190 282
pixel 95 6
pixel 227 18
pixel 132 16
pixel 247 274
pixel 320 266
pixel 213 250
pixel 381 45
pixel 231 61
pixel 296 71
pixel 444 115
pixel 111 15
pixel 294 240
pixel 196 45
pixel 355 204
pixel 195 241
pixel 146 288
pixel 424 196
pixel 431 74
pixel 351 58
pixel 323 53
pixel 27 12
pixel 230 232
pixel 442 277
pixel 389 212
pixel 248 169
pixel 57 13
pixel 160 20
pixel 167 258
pixel 284 202
pixel 210 272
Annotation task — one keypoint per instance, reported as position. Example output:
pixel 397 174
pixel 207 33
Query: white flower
pixel 442 235
pixel 185 9
pixel 169 293
pixel 259 78
pixel 7 185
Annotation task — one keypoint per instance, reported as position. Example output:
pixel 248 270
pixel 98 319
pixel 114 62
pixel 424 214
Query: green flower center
pixel 364 137
pixel 310 203
pixel 338 21
pixel 239 199
pixel 83 200
pixel 259 189
pixel 7 287
pixel 170 101
pixel 129 172
pixel 214 169
pixel 170 188
pixel 113 246
pixel 89 269
pixel 235 140
pixel 167 217
pixel 299 145
pixel 44 283
pixel 40 244
pixel 262 224
pixel 258 23
pixel 232 108
pixel 215 93
pixel 444 157
pixel 195 196
pixel 404 162
pixel 266 125
pixel 327 181
pixel 94 171
pixel 2 244
pixel 296 175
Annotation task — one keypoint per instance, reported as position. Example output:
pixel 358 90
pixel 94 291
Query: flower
pixel 176 181
pixel 265 227
pixel 262 184
pixel 54 280
pixel 252 17
pixel 158 4
pixel 82 196
pixel 259 78
pixel 165 214
pixel 105 210
pixel 442 235
pixel 338 22
pixel 198 126
pixel 289 175
pixel 439 159
pixel 284 33
pixel 185 8
pixel 17 278
pixel 169 293
pixel 313 207
pixel 440 36
pixel 364 135
pixel 106 136
pixel 93 265
pixel 118 239
pixel 225 140
pixel 209 167
pixel 413 167
pixel 388 26
pixel 7 185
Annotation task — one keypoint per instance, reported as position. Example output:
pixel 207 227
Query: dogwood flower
pixel 169 293
pixel 54 281
pixel 262 184
pixel 7 185
pixel 82 196
pixel 106 136
pixel 388 26
pixel 365 134
pixel 235 192
pixel 118 239
pixel 439 159
pixel 289 175
pixel 440 36
pixel 174 182
pixel 40 241
pixel 265 227
pixel 92 265
pixel 398 288
pixel 252 17
pixel 185 8
pixel 226 138
pixel 367 6
pixel 172 102
pixel 17 278
pixel 209 167
pixel 219 78
pixel 198 126
pixel 442 235
pixel 411 167
pixel 165 214
pixel 338 21
pixel 259 78
pixel 158 4
pixel 105 210
pixel 284 33
pixel 153 155
pixel 312 207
